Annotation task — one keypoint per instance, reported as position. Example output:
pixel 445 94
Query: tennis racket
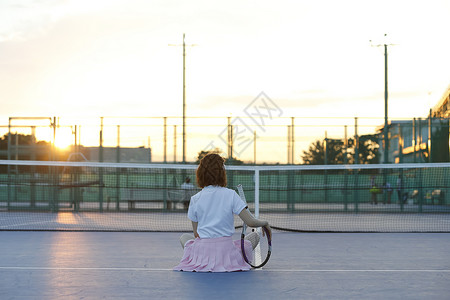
pixel 261 253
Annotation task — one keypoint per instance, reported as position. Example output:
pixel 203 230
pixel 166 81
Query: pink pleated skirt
pixel 214 255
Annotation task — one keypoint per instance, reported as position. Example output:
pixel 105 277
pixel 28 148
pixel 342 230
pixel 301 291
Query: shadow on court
pixel 128 265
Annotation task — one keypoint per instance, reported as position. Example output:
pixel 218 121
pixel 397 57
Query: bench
pixel 180 196
pixel 437 195
pixel 145 195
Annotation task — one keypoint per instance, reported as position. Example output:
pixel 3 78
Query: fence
pixel 110 196
pixel 165 139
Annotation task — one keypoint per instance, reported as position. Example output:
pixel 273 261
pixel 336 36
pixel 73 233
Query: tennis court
pixel 93 230
pixel 137 265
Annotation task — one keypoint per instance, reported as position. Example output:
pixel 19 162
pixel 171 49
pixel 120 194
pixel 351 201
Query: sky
pixel 80 59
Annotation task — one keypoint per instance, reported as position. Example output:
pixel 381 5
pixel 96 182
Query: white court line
pixel 86 268
pixel 266 270
pixel 361 271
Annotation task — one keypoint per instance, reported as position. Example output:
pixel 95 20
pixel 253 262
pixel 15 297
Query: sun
pixel 63 142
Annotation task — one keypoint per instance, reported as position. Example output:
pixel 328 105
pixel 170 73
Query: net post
pixel 346 190
pixel 301 186
pixel 165 190
pixel 420 188
pixel 385 180
pixel 100 174
pixel 290 192
pixel 430 130
pixel 356 188
pixel 400 188
pixel 325 146
pixel 55 184
pixel 9 167
pixel 257 193
pixel 346 170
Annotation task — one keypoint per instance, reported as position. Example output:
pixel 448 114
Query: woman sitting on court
pixel 211 248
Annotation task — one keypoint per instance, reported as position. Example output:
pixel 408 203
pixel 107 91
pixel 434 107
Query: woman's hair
pixel 211 171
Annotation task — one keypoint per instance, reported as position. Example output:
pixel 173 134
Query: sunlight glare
pixel 63 141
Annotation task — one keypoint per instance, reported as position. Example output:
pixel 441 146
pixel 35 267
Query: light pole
pixel 385 129
pixel 184 94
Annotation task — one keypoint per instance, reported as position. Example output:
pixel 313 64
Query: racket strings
pixel 253 237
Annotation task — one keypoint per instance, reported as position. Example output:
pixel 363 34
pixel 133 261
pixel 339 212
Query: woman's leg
pixel 185 238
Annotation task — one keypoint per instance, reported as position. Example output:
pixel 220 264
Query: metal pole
pixel 231 142
pixel 184 95
pixel 288 144
pixel 254 147
pixel 54 173
pixel 346 171
pixel 386 130
pixel 100 150
pixel 345 144
pixel 79 135
pixel 293 140
pixel 325 149
pixel 400 144
pixel 430 157
pixel 229 137
pixel 174 143
pixel 54 139
pixel 16 147
pixel 356 142
pixel 117 172
pixel 75 137
pixel 419 138
pixel 184 100
pixel 165 139
pixel 9 140
pixel 414 139
pixel 9 167
pixel 325 171
pixel 100 155
pixel 118 145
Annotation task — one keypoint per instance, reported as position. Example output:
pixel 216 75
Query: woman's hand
pixel 269 230
pixel 194 229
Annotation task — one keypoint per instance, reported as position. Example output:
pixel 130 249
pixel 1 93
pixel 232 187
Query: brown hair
pixel 211 171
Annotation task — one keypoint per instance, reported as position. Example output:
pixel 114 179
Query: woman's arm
pixel 248 219
pixel 194 227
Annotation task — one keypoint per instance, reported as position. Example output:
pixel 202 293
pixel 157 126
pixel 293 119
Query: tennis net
pixel 75 196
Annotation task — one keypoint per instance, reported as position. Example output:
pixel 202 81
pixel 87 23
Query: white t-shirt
pixel 213 208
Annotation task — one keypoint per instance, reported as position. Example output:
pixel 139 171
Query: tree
pixel 367 151
pixel 316 153
pixel 30 150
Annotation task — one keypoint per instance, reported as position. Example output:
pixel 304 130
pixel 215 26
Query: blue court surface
pixel 132 265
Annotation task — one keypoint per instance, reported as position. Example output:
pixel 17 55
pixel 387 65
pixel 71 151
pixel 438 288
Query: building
pixel 420 140
pixel 442 108
pixel 417 141
pixel 124 155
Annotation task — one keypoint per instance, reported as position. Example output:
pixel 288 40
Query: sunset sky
pixel 85 59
